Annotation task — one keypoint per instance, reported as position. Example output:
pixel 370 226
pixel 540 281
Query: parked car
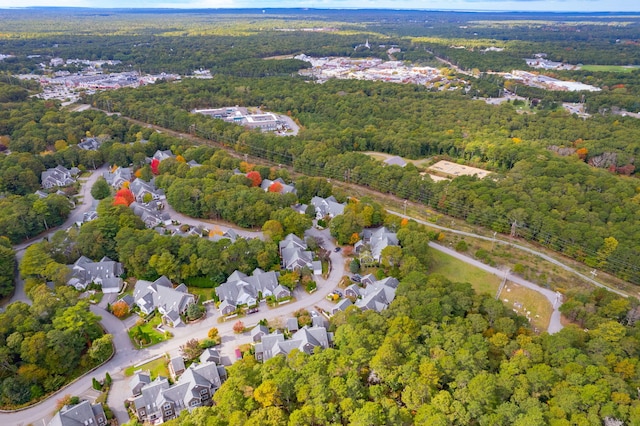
pixel 252 310
pixel 356 278
pixel 313 314
pixel 337 249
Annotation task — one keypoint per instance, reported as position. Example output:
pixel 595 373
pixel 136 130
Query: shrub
pixel 462 246
pixel 238 327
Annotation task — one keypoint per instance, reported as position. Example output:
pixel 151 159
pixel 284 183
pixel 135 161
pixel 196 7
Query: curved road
pixel 519 247
pixel 76 215
pixel 554 298
pixel 126 355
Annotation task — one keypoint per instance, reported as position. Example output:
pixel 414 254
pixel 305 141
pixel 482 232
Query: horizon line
pixel 151 8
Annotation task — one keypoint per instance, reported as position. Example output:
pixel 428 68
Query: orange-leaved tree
pixel 275 187
pixel 255 178
pixel 124 194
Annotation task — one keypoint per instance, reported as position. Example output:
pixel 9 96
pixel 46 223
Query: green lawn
pixel 459 271
pixel 524 300
pixel 609 68
pixel 202 293
pixel 156 367
pixel 483 282
pixel 150 329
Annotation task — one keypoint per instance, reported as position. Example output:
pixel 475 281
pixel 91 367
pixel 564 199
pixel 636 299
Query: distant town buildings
pixel 375 69
pixel 265 121
pixel 548 83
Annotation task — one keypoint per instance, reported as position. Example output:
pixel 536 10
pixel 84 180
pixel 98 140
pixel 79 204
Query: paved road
pixel 126 355
pixel 519 247
pixel 209 224
pixel 554 324
pixel 76 215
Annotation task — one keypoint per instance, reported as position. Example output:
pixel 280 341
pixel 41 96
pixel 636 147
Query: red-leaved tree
pixel 155 163
pixel 275 187
pixel 255 178
pixel 125 194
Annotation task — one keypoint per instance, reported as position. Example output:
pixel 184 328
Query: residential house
pixel 140 189
pixel 139 380
pixel 352 291
pixel 327 207
pixel 90 144
pixel 374 241
pixel 305 340
pixel 59 176
pixel 295 255
pixel 292 325
pixel 240 289
pixel 105 273
pixel 210 355
pixel 378 295
pixel 229 234
pixel 89 216
pixel 160 294
pixel 118 176
pixel 258 332
pixel 159 401
pixel 151 213
pixel 285 188
pixel 82 414
pixel 341 306
pixel 162 155
pixel 176 366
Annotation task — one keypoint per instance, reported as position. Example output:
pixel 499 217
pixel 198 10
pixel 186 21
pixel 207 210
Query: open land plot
pixel 610 68
pixel 450 169
pixel 528 303
pixel 523 300
pixel 459 271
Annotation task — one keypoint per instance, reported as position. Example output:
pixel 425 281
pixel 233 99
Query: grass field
pixel 609 68
pixel 521 299
pixel 202 293
pixel 157 367
pixel 458 271
pixel 150 329
pixel 528 303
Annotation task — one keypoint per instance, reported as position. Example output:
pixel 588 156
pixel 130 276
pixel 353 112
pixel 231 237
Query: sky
pixel 502 5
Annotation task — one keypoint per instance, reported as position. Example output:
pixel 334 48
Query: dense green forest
pixel 442 355
pixel 567 205
pixel 47 343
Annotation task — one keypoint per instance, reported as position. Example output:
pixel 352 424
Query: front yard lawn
pixel 202 293
pixel 157 367
pixel 145 335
